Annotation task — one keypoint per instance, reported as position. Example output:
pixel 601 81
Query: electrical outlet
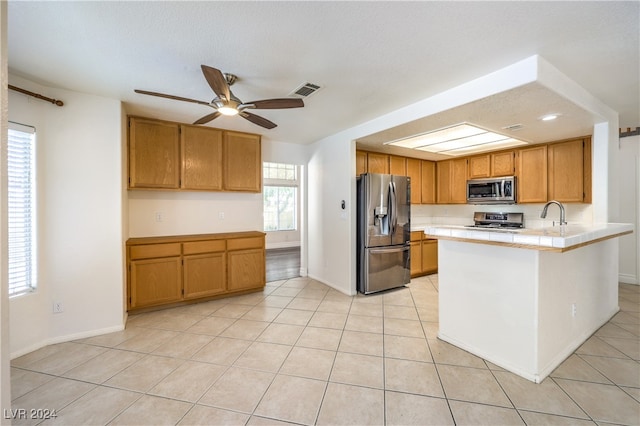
pixel 221 215
pixel 159 216
pixel 57 307
pixel 573 309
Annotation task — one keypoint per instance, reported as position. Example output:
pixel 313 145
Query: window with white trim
pixel 280 192
pixel 21 196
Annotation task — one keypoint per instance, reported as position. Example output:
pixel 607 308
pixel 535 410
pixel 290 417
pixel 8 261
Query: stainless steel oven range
pixel 492 220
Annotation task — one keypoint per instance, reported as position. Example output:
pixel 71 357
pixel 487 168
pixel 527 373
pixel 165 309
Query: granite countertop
pixel 557 237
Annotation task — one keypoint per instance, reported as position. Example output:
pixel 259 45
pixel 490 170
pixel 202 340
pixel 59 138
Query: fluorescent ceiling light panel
pixel 457 140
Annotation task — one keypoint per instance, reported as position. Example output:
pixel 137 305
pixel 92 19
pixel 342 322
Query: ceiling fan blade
pixel 207 118
pixel 275 103
pixel 177 98
pixel 217 81
pixel 256 119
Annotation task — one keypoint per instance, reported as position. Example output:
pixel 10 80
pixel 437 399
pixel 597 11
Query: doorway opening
pixel 283 263
pixel 282 220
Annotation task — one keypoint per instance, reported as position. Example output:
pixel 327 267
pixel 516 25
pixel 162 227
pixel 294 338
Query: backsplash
pixel 462 214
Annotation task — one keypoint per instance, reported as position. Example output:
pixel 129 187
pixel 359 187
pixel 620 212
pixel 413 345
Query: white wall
pixel 192 212
pixel 331 230
pixel 629 189
pixel 79 218
pixel 5 379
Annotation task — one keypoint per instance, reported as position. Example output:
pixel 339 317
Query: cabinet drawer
pixel 245 243
pixel 148 251
pixel 196 247
pixel 416 235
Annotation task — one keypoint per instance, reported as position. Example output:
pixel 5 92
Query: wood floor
pixel 283 263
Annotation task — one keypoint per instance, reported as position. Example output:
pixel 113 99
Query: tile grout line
pixel 292 346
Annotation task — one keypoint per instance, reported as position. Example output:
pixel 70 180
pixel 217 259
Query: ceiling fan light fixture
pixel 227 110
pixel 226 103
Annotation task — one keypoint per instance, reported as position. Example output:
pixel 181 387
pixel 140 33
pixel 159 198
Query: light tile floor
pixel 302 353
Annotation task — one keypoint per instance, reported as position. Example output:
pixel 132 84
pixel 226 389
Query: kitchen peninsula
pixel 525 300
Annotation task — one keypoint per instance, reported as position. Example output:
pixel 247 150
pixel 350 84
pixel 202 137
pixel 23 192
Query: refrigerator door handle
pixel 389 250
pixel 393 207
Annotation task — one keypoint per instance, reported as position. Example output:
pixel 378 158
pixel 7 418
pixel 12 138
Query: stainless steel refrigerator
pixel 383 232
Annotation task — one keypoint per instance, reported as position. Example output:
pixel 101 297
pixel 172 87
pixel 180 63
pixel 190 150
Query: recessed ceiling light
pixel 549 117
pixel 460 139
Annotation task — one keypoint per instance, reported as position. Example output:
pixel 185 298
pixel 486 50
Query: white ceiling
pixel 370 58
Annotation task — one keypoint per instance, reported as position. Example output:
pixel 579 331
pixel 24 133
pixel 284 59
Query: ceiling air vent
pixel 305 90
pixel 513 127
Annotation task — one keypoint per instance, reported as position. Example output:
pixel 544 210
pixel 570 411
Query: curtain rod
pixel 35 95
pixel 629 132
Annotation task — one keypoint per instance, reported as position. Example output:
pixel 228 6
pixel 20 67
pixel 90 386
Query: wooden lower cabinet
pixel 416 258
pixel 204 275
pixel 155 281
pixel 424 254
pixel 245 268
pixel 429 255
pixel 180 269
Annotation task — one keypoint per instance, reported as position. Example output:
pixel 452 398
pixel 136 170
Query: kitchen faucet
pixel 546 206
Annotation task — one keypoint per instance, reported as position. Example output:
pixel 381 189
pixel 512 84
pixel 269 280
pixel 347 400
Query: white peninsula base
pixel 525 310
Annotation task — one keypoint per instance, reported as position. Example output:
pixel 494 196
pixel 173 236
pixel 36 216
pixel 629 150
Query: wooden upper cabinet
pixel 459 181
pixel 566 171
pixel 166 155
pixel 154 154
pixel 452 181
pixel 491 165
pixel 242 162
pixel 586 164
pixel 414 172
pixel 428 182
pixel 480 166
pixel 377 163
pixel 361 162
pixel 397 165
pixel 502 163
pixel 443 179
pixel 532 174
pixel 201 149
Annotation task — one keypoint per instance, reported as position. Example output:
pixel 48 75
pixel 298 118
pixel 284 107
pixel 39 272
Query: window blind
pixel 21 209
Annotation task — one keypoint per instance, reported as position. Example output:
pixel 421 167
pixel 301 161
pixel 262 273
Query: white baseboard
pixel 285 244
pixel 628 279
pixel 330 285
pixel 66 338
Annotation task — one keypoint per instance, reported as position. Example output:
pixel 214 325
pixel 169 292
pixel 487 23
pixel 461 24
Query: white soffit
pixel 521 107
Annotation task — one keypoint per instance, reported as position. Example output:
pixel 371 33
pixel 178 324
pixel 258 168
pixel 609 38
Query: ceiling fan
pixel 226 103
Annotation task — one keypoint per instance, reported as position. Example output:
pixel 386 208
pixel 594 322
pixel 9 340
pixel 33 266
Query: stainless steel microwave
pixel 500 190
